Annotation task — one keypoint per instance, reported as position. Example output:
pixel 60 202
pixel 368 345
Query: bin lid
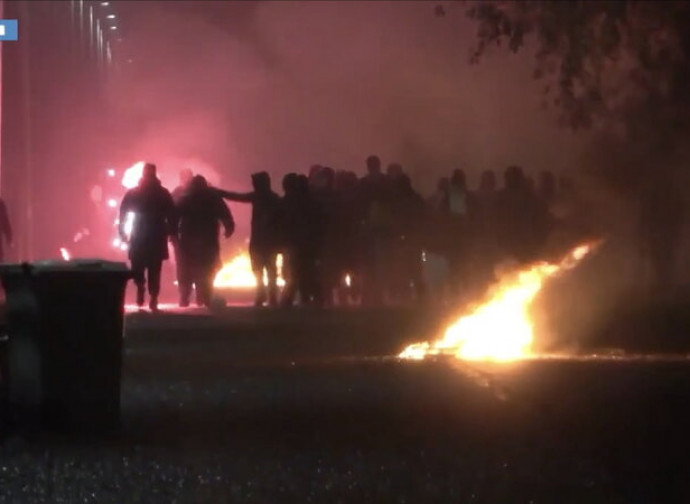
pixel 59 266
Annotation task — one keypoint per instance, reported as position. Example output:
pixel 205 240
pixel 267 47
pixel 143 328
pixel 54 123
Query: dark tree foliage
pixel 612 63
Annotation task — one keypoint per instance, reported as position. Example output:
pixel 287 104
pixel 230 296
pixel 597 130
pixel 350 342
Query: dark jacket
pixel 201 211
pixel 154 220
pixel 265 215
pixel 302 222
pixel 178 193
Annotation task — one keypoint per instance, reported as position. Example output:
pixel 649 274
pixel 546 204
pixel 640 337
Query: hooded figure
pixel 264 241
pixel 201 211
pixel 150 211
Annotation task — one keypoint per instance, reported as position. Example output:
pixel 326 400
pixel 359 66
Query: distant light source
pixel 112 203
pixel 111 173
pixel 105 4
pixel 113 27
pixel 111 16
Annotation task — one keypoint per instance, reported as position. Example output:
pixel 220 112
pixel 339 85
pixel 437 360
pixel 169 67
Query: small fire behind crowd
pixel 342 239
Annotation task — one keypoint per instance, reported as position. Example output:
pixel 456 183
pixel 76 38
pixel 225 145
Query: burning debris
pixel 500 329
pixel 237 273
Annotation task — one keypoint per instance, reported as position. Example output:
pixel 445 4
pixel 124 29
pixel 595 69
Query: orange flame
pixel 501 329
pixel 237 273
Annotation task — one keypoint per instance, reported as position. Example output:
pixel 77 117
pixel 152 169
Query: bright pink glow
pixel 133 174
pixel 111 173
pixel 112 203
pixel 168 171
pixel 66 256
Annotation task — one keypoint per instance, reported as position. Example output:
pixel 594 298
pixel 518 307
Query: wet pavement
pixel 249 407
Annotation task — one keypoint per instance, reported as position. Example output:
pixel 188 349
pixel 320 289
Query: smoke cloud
pixel 279 86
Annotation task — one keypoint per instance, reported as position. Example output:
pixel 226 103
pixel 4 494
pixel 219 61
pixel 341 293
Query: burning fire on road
pixel 501 328
pixel 237 273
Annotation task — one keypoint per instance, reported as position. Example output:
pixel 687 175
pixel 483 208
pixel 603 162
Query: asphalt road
pixel 299 407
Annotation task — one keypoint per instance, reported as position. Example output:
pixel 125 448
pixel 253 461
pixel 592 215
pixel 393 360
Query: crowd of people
pixel 372 240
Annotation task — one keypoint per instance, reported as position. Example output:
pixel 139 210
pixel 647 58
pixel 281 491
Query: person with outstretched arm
pixel 264 241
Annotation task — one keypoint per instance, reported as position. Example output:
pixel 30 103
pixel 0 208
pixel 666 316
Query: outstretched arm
pixel 238 197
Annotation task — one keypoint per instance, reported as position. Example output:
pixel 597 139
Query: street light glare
pixel 111 16
pixel 113 27
pixel 105 4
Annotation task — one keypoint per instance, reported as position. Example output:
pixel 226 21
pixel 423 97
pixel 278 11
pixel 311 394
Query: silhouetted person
pixel 459 212
pixel 154 222
pixel 264 242
pixel 436 235
pixel 201 211
pixel 183 270
pixel 377 232
pixel 327 243
pixel 459 203
pixel 486 228
pixel 5 230
pixel 314 175
pixel 519 218
pixel 411 217
pixel 374 181
pixel 347 238
pixel 301 223
pixel 288 223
